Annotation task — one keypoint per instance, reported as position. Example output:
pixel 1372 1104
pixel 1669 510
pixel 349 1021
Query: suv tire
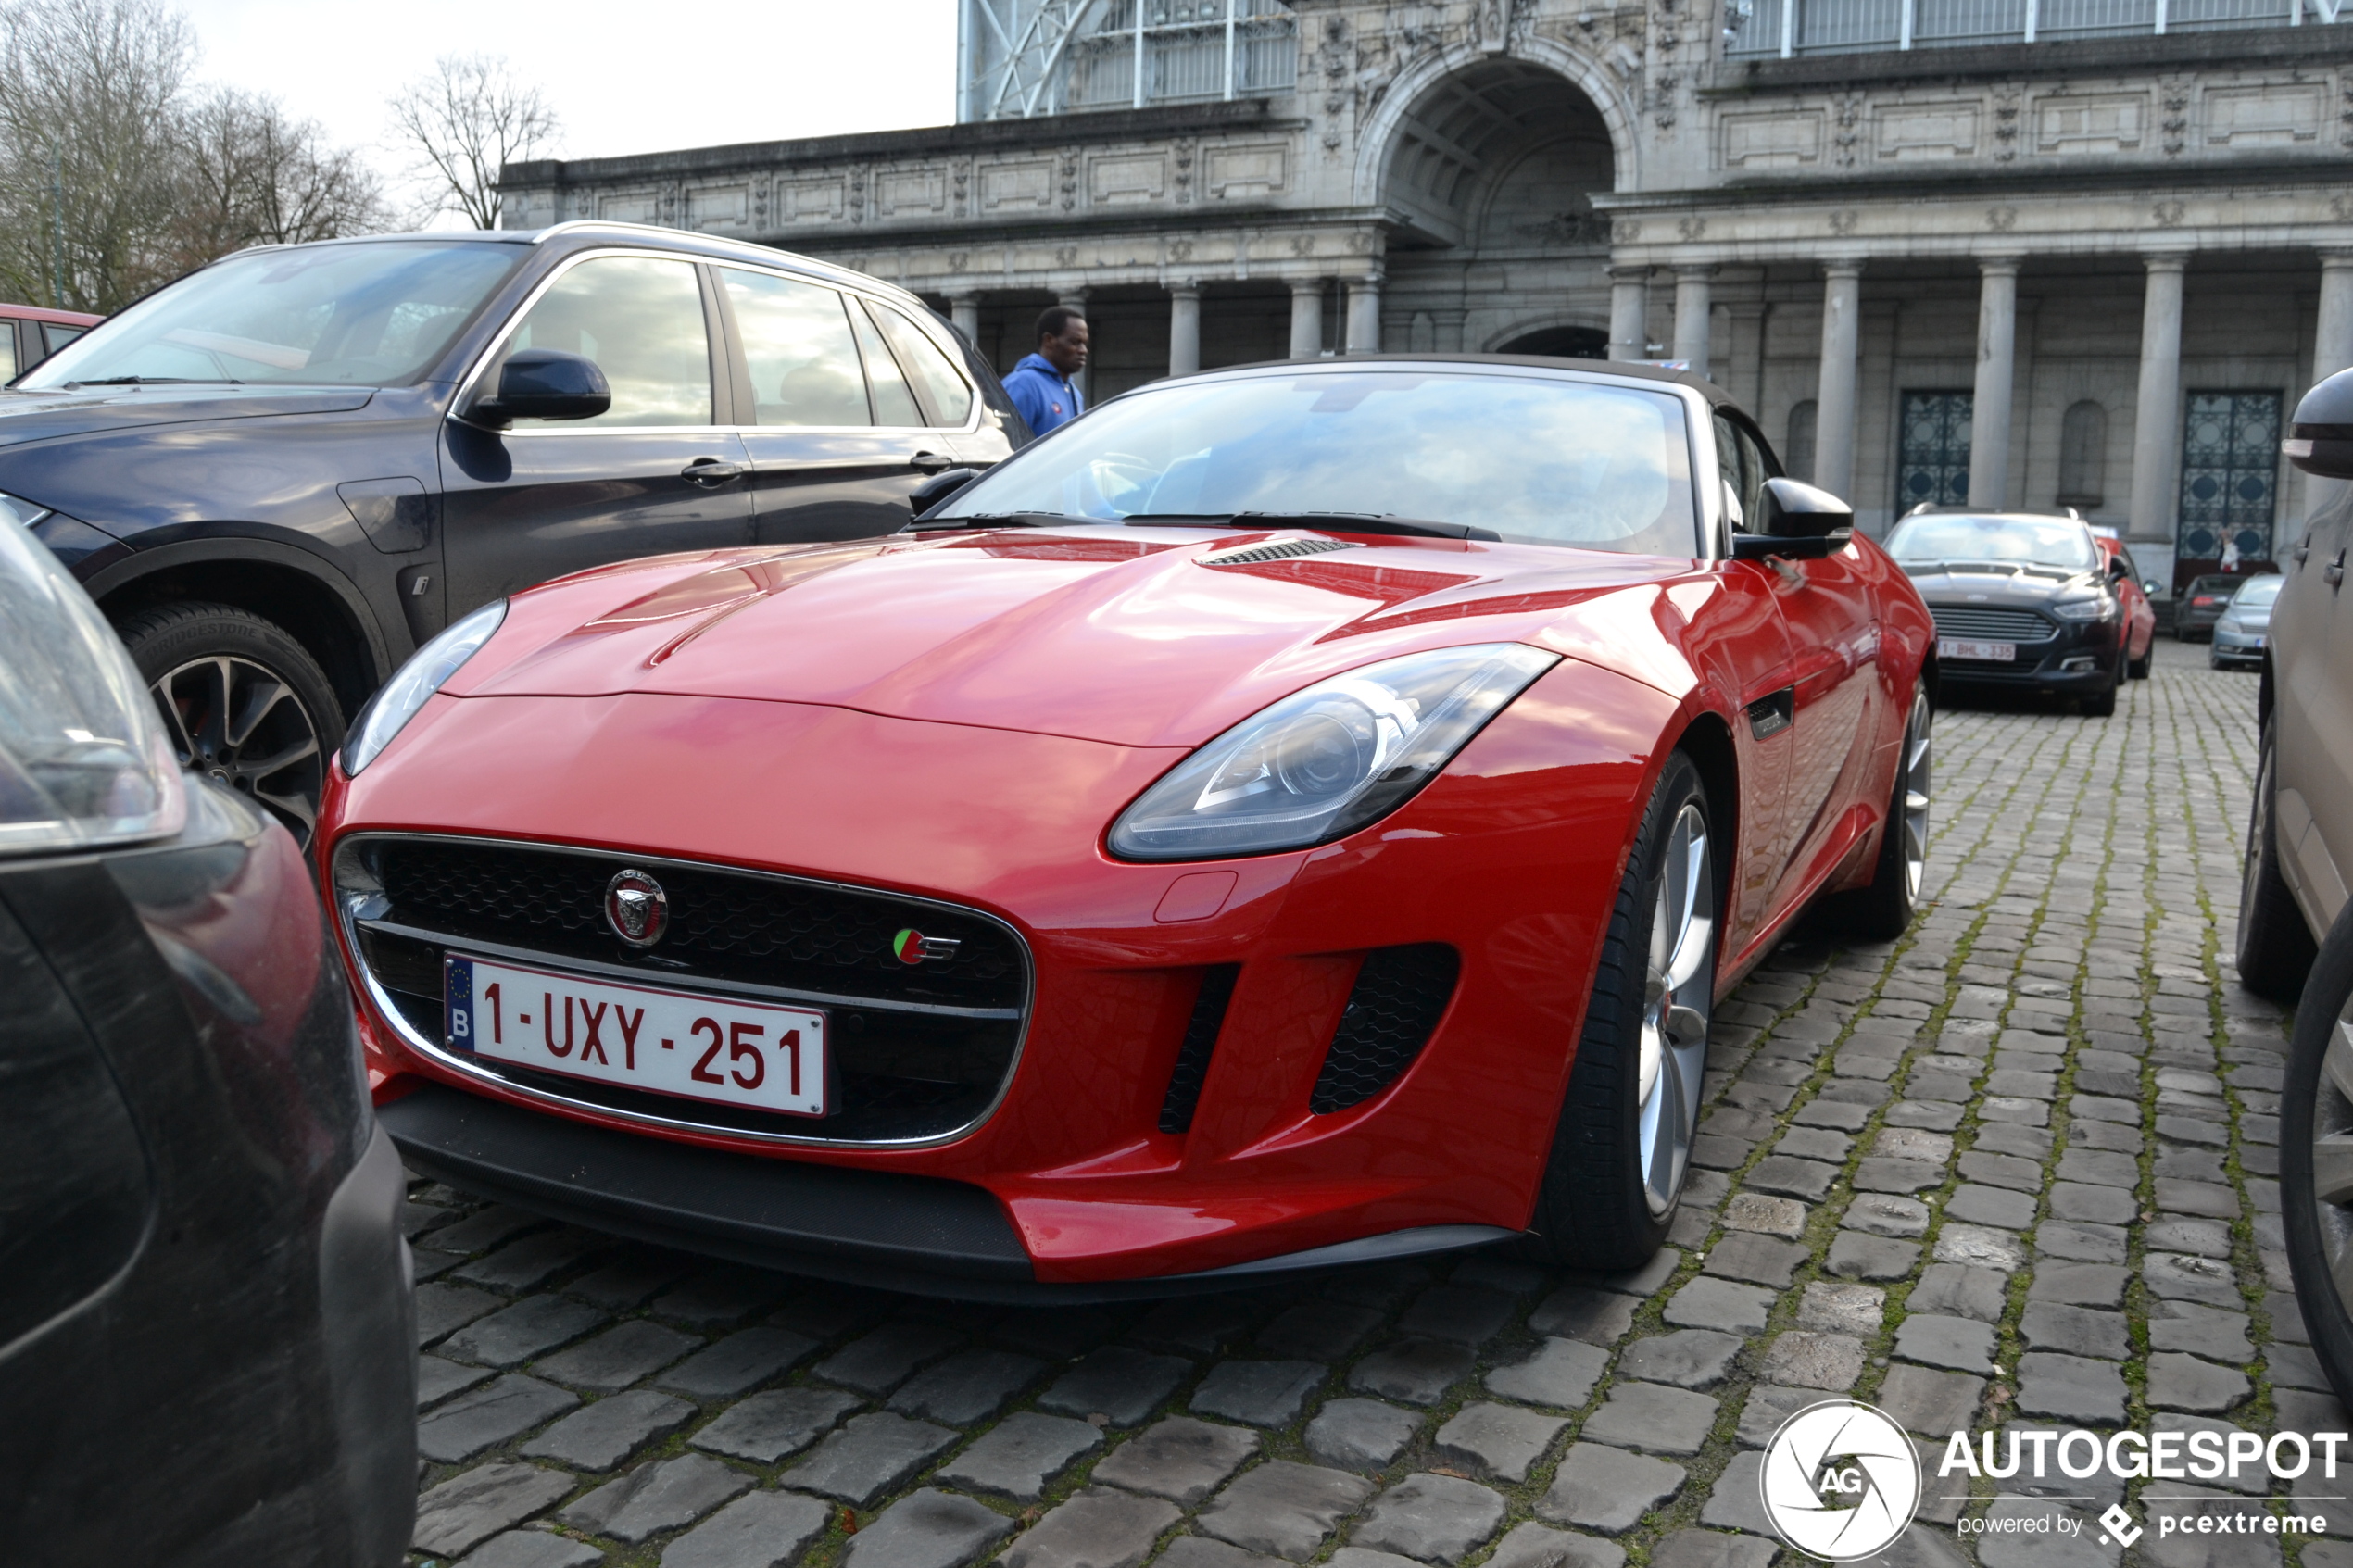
pixel 2276 947
pixel 245 704
pixel 2316 1132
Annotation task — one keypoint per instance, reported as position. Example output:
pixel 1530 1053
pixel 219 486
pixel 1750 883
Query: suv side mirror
pixel 2149 587
pixel 2118 570
pixel 545 383
pixel 939 488
pixel 1796 520
pixel 2321 440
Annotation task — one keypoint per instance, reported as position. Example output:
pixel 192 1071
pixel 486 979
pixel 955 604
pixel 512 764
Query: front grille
pixel 1399 995
pixel 921 1050
pixel 1974 625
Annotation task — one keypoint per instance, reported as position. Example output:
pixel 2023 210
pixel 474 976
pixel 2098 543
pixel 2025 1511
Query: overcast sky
pixel 626 76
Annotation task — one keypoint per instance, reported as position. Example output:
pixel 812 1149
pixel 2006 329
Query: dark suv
pixel 282 472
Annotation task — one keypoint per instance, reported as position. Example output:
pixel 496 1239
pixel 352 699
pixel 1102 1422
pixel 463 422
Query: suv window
pixel 797 344
pixel 640 319
pixel 894 399
pixel 948 395
pixel 7 350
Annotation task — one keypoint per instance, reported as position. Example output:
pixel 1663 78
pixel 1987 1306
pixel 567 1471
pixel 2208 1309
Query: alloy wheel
pixel 1919 778
pixel 240 725
pixel 1678 980
pixel 2332 1157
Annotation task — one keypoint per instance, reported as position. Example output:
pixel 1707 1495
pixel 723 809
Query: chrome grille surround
pixel 360 910
pixel 1986 623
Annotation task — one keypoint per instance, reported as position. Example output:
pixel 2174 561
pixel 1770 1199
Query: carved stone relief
pixel 2282 116
pixel 1933 131
pixel 2073 123
pixel 1779 139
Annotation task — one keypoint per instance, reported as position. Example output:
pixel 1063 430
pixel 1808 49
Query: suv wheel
pixel 245 704
pixel 2274 945
pixel 2316 1157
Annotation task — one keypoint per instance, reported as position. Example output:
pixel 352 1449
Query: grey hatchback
pixel 2299 850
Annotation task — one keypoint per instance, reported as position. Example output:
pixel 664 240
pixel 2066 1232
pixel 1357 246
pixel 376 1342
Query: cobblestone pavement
pixel 2017 1168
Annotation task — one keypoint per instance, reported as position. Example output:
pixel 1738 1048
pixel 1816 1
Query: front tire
pixel 2102 704
pixel 2316 1156
pixel 245 704
pixel 2275 950
pixel 1622 1146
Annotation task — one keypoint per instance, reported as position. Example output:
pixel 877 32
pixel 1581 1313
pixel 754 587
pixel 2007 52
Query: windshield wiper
pixel 1337 523
pixel 158 381
pixel 996 520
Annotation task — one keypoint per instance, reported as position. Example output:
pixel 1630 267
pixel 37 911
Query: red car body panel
pixel 2139 616
pixel 964 718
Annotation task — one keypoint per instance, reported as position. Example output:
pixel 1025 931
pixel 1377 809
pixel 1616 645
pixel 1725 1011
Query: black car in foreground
pixel 2022 602
pixel 207 1346
pixel 281 474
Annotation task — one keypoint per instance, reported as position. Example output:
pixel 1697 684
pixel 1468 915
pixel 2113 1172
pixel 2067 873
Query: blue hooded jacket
pixel 1044 394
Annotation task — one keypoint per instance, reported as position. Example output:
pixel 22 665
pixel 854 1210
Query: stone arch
pixel 1553 332
pixel 1540 72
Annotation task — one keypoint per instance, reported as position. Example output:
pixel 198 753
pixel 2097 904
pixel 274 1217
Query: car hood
pixel 36 414
pixel 1963 584
pixel 1108 634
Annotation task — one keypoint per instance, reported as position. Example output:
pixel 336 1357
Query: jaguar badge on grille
pixel 636 909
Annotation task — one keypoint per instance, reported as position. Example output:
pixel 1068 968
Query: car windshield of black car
pixel 2002 542
pixel 378 314
pixel 1536 460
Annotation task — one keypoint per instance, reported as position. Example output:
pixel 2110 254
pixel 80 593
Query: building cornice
pixel 2314 44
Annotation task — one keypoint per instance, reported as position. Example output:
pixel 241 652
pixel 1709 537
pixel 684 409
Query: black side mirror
pixel 2118 570
pixel 939 488
pixel 2321 440
pixel 1796 520
pixel 547 383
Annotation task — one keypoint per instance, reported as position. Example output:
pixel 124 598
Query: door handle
pixel 2334 573
pixel 930 462
pixel 710 470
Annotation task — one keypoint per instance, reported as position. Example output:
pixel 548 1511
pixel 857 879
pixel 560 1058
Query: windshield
pixel 2261 591
pixel 1999 539
pixel 370 315
pixel 1537 460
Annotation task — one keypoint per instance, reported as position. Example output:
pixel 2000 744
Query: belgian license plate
pixel 669 1042
pixel 1998 653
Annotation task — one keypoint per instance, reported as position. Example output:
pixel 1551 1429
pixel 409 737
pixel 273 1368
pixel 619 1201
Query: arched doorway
pixel 1488 188
pixel 1562 342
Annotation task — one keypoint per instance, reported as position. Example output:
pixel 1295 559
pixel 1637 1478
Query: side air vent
pixel 1400 994
pixel 1278 550
pixel 1200 1038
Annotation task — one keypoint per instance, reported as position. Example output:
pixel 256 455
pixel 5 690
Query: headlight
pixel 85 760
pixel 1323 762
pixel 390 710
pixel 2102 608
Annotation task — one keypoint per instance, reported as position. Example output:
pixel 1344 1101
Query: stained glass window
pixel 2230 473
pixel 1932 459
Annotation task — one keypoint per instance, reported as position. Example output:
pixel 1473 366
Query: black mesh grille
pixel 1200 1038
pixel 898 1075
pixel 725 925
pixel 1400 994
pixel 1971 624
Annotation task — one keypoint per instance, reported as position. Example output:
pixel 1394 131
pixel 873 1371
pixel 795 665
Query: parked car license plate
pixel 669 1042
pixel 1998 653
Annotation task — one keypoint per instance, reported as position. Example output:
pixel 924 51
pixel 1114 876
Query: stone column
pixel 1988 433
pixel 1307 318
pixel 1629 300
pixel 1834 393
pixel 2333 342
pixel 965 310
pixel 2157 417
pixel 1691 306
pixel 1364 315
pixel 1184 329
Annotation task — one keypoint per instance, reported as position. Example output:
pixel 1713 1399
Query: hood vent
pixel 1277 550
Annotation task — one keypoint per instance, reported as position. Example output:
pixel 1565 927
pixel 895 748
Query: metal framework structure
pixel 1021 58
pixel 1838 27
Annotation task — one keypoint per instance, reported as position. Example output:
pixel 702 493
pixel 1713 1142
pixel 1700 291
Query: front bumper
pixel 1509 858
pixel 2079 658
pixel 2239 647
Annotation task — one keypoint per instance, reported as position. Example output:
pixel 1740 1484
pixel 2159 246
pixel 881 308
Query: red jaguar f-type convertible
pixel 1293 815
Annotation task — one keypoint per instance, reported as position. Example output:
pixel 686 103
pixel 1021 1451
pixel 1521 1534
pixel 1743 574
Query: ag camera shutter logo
pixel 1840 1481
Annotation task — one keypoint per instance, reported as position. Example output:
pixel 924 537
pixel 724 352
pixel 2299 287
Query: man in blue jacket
pixel 1040 386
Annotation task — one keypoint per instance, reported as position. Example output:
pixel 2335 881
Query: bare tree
pixel 88 94
pixel 465 122
pixel 248 176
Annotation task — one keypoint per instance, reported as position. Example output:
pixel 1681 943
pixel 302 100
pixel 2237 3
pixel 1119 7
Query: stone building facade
pixel 2024 253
